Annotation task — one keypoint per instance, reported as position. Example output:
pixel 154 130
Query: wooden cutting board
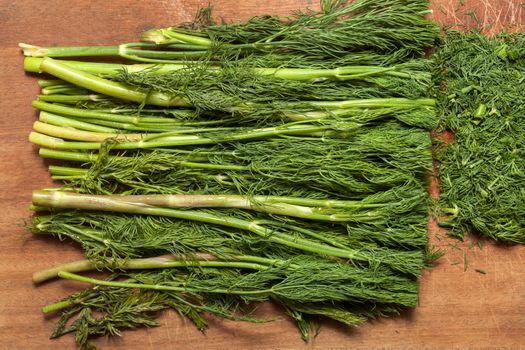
pixel 459 308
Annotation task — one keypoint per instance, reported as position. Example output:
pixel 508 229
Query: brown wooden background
pixel 458 309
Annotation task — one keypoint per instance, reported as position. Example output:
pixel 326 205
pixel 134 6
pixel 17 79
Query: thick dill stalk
pixel 108 87
pixel 61 200
pixel 321 210
pixel 159 262
pixel 159 98
pixel 94 141
pixel 32 64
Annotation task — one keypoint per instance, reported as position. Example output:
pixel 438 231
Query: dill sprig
pixel 406 262
pixel 304 286
pixel 338 28
pixel 241 82
pixel 398 223
pixel 372 159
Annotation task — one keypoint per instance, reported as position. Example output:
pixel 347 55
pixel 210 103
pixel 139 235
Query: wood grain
pixel 458 309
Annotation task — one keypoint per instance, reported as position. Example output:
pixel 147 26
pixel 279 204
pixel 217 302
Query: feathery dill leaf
pixel 317 124
pixel 338 28
pixel 241 81
pixel 481 102
pixel 374 159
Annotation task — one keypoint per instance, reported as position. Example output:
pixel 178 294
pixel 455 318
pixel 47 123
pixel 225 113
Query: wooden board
pixel 459 307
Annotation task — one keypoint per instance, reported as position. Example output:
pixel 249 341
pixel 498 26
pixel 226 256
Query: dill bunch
pixel 342 292
pixel 482 172
pixel 393 219
pixel 280 159
pixel 381 214
pixel 373 159
pixel 340 27
pixel 240 82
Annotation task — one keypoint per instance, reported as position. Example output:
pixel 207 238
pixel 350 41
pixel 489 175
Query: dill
pixel 480 101
pixel 336 32
pixel 279 159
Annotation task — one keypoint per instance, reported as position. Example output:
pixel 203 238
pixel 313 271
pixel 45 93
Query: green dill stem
pixel 340 73
pixel 32 64
pixel 176 37
pixel 58 86
pixel 160 140
pixel 54 119
pixel 128 50
pixel 36 208
pixel 62 200
pixel 291 206
pixel 78 278
pixel 310 233
pixel 69 51
pixel 71 99
pixel 90 114
pixel 57 306
pixel 75 266
pixel 65 90
pixel 71 156
pixel 81 135
pixel 152 127
pixel 160 262
pixel 375 103
pixel 196 201
pixel 108 87
pixel 68 172
pixel 67 177
pixel 49 82
pixel 171 37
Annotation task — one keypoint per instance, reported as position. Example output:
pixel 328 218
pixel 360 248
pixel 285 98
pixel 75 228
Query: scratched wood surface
pixel 459 307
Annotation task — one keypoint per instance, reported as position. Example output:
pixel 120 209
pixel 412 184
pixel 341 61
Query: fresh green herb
pixel 279 159
pixel 336 31
pixel 480 101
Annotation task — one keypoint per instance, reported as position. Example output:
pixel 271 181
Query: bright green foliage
pixel 341 27
pixel 373 159
pixel 480 92
pixel 280 159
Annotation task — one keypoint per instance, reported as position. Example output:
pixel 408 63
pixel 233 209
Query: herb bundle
pixel 363 28
pixel 480 101
pixel 276 159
